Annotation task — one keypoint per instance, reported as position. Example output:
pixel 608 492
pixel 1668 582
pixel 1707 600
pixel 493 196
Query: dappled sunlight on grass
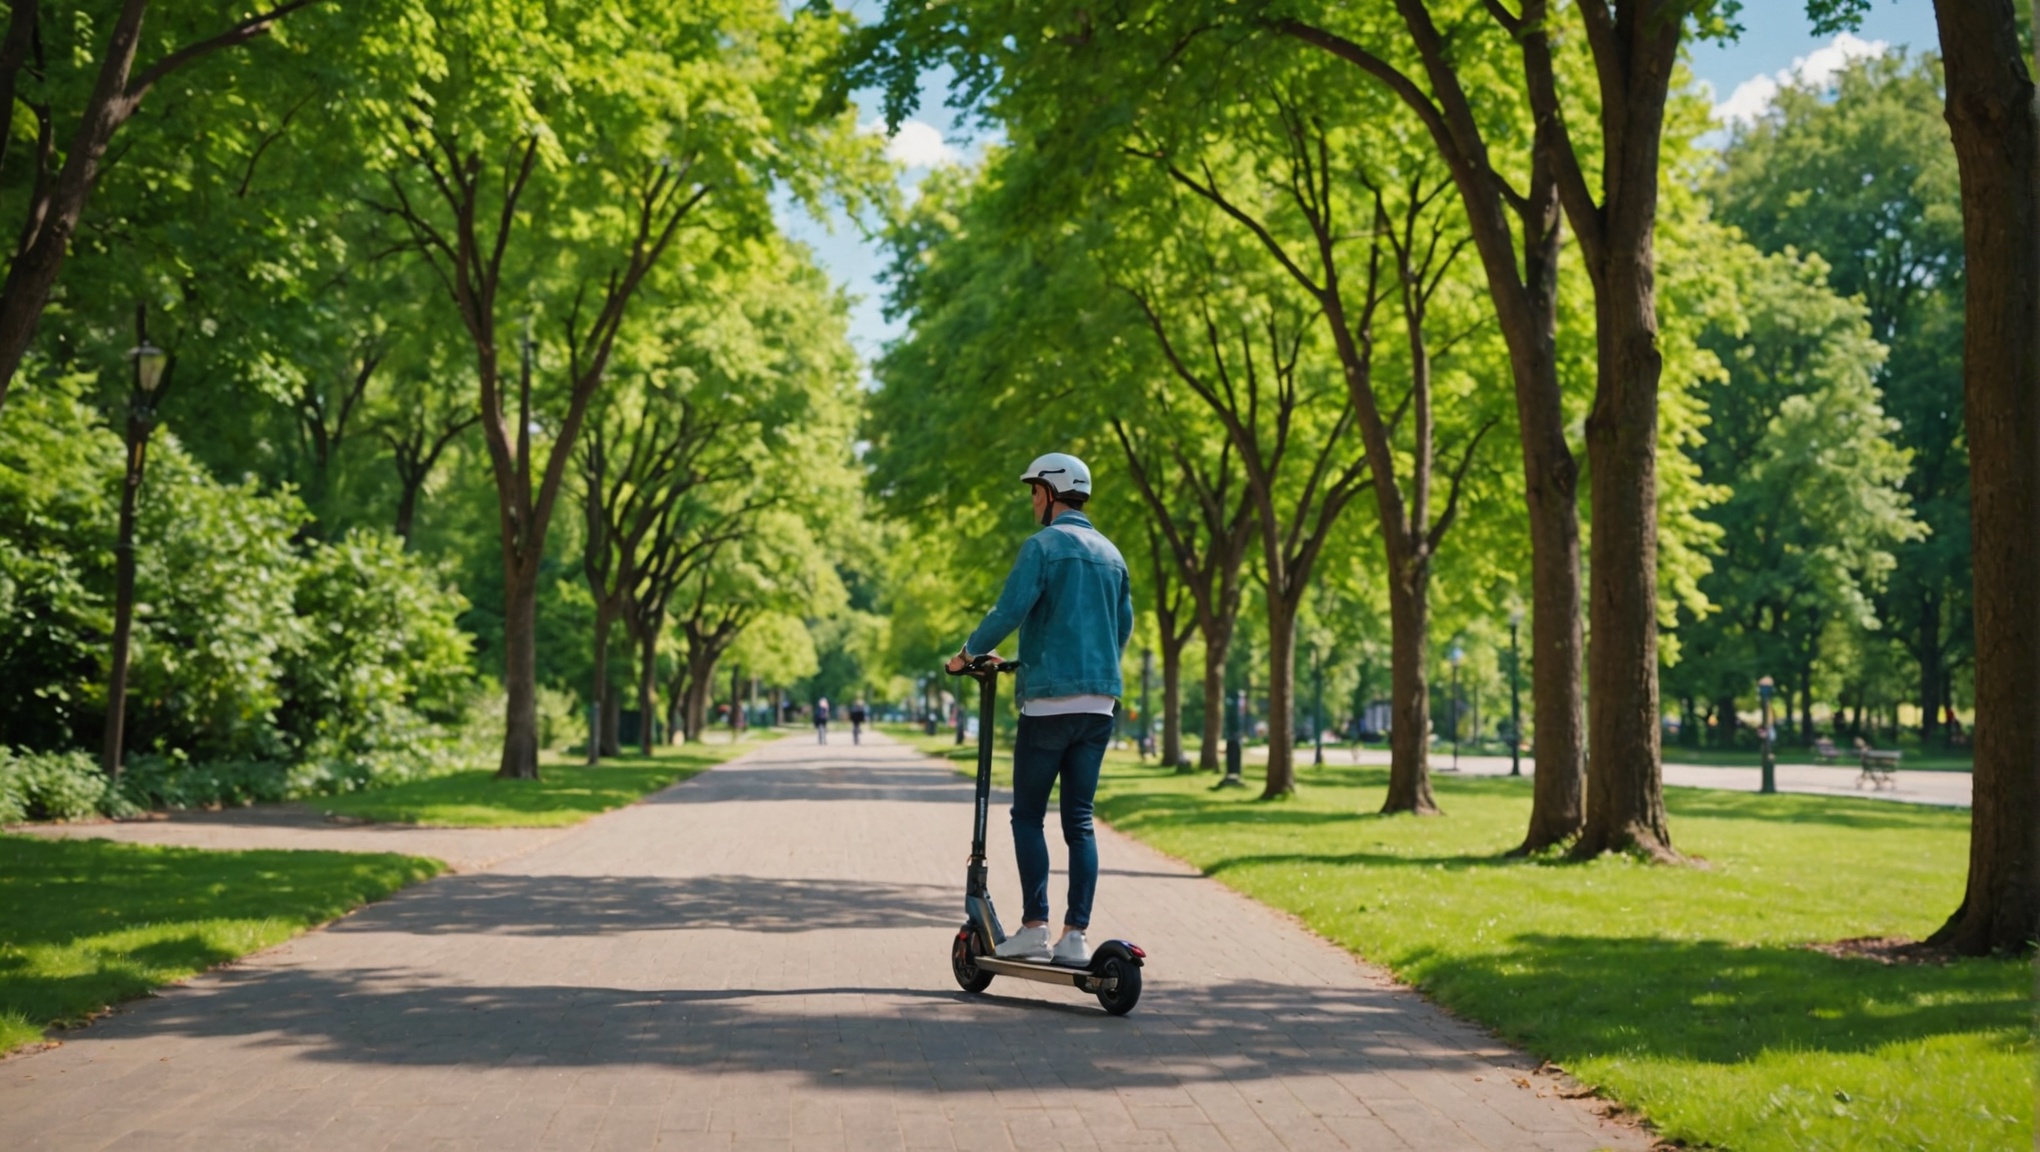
pixel 1685 992
pixel 87 923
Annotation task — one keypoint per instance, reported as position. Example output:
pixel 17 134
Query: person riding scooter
pixel 1071 598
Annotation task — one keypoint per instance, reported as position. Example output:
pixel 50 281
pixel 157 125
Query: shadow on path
pixel 568 905
pixel 909 1039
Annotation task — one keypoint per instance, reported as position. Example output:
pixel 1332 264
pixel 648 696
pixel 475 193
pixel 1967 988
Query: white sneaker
pixel 1070 951
pixel 1026 944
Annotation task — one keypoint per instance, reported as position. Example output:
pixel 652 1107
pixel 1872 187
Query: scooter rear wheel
pixel 1121 996
pixel 963 954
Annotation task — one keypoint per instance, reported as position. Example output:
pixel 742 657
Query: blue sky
pixel 1776 42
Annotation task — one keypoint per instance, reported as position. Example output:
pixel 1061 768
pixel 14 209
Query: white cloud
pixel 1752 98
pixel 917 145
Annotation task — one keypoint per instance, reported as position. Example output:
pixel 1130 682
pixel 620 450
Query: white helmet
pixel 1063 474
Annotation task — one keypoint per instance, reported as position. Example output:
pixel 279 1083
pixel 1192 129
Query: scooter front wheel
pixel 963 954
pixel 1120 986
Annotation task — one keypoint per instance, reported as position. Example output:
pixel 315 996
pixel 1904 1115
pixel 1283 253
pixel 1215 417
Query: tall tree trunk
pixel 1281 779
pixel 1217 645
pixel 1625 781
pixel 598 687
pixel 612 724
pixel 648 668
pixel 520 670
pixel 1172 702
pixel 1558 807
pixel 1409 729
pixel 407 509
pixel 1996 125
pixel 700 683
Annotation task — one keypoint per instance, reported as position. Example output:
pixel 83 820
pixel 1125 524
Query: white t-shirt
pixel 1069 705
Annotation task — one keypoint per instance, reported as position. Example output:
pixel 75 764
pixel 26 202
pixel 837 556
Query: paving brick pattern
pixel 757 959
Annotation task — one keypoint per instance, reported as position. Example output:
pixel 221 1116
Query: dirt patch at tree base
pixel 1886 950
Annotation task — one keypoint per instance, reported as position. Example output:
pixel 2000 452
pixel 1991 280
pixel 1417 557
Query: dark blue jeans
pixel 1068 749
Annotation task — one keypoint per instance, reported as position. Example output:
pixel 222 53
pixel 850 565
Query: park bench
pixel 1878 764
pixel 1825 752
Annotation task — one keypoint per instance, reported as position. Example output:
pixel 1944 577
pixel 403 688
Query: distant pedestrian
pixel 857 715
pixel 822 720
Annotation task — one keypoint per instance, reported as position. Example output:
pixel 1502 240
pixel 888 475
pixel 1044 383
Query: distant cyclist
pixel 822 720
pixel 1071 599
pixel 857 716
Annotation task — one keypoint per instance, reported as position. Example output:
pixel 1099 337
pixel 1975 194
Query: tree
pixel 1996 125
pixel 1797 435
pixel 640 458
pixel 423 420
pixel 1006 316
pixel 1516 230
pixel 517 164
pixel 1243 359
pixel 1414 242
pixel 1865 175
pixel 1207 544
pixel 763 367
pixel 45 72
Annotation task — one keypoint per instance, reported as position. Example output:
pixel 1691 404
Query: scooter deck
pixel 1033 970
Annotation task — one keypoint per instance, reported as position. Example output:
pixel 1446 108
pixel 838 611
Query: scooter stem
pixel 986 672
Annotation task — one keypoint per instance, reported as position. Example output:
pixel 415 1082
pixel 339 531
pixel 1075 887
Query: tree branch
pixel 240 33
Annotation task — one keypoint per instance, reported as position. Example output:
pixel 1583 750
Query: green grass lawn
pixel 87 923
pixel 565 792
pixel 1684 992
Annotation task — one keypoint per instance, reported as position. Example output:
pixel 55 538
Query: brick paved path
pixel 758 959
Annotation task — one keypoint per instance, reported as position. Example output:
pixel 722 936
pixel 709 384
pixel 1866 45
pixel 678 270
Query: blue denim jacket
pixel 1070 597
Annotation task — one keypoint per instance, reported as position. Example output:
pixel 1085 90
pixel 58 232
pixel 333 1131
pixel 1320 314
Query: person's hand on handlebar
pixel 961 660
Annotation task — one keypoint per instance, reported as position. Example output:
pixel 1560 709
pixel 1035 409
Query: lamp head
pixel 1516 616
pixel 149 361
pixel 1456 655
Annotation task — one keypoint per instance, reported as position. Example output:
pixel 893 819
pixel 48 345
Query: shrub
pixel 174 781
pixel 55 786
pixel 380 664
pixel 215 575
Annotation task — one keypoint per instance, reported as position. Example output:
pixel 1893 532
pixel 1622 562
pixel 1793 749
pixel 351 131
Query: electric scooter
pixel 1114 972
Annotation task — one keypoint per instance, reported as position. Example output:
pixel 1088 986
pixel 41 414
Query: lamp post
pixel 1147 724
pixel 1515 694
pixel 149 362
pixel 1765 687
pixel 1317 706
pixel 1454 657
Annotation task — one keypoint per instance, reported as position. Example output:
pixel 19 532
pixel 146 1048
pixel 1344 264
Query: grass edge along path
pixel 566 792
pixel 86 924
pixel 1688 994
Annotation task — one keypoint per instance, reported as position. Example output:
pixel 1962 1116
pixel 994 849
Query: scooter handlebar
pixel 982 666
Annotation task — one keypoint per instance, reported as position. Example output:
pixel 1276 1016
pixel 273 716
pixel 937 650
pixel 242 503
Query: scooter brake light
pixel 1136 950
